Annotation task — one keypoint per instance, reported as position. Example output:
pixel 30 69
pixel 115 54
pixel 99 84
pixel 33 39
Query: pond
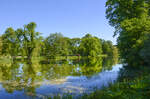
pixel 42 78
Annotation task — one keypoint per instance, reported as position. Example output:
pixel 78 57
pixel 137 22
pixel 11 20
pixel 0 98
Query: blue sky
pixel 73 18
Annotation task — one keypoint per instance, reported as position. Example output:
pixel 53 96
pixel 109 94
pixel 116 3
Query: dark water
pixel 41 79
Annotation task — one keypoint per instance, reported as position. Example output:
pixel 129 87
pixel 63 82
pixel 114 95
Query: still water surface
pixel 41 79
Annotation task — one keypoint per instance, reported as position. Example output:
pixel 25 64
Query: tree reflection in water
pixel 26 76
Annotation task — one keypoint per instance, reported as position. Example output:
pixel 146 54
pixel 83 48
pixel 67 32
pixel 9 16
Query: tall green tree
pixel 131 20
pixel 131 39
pixel 38 47
pixel 56 45
pixel 119 10
pixel 90 46
pixel 29 39
pixel 10 43
pixel 74 45
pixel 107 48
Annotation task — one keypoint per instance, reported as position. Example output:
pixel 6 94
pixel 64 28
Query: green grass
pixel 136 89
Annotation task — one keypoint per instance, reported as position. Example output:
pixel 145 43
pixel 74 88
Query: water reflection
pixel 108 62
pixel 91 66
pixel 51 76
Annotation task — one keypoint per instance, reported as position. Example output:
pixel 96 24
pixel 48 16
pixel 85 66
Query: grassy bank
pixel 136 89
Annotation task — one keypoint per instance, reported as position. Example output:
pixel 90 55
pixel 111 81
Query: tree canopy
pixel 56 44
pixel 28 43
pixel 20 41
pixel 131 20
pixel 90 46
pixel 10 43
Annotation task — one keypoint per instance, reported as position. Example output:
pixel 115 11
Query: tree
pixel 131 20
pixel 131 39
pixel 74 45
pixel 107 47
pixel 119 10
pixel 0 45
pixel 56 45
pixel 29 37
pixel 38 47
pixel 145 51
pixel 90 46
pixel 10 43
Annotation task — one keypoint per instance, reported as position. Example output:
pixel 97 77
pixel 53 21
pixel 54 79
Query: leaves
pixel 131 20
pixel 20 41
pixel 90 46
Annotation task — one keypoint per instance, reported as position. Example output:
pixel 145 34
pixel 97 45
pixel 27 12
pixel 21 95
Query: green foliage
pixel 120 10
pixel 55 45
pixel 26 42
pixel 20 41
pixel 74 45
pixel 10 43
pixel 30 36
pixel 107 48
pixel 1 45
pixel 131 39
pixel 131 20
pixel 38 47
pixel 91 65
pixel 90 46
pixel 108 62
pixel 145 51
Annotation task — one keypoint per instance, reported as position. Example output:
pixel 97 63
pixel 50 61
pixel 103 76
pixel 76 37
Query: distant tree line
pixel 26 42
